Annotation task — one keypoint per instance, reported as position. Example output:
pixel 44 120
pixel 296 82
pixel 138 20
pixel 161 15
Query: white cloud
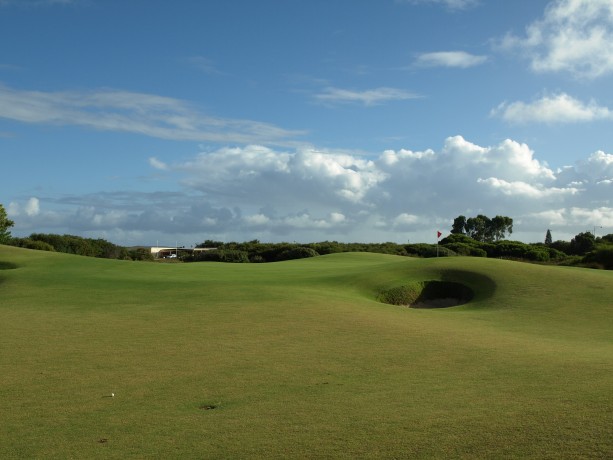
pixel 32 207
pixel 459 59
pixel 308 194
pixel 368 97
pixel 451 4
pixel 574 36
pixel 390 157
pixel 577 218
pixel 405 221
pixel 560 108
pixel 139 113
pixel 605 160
pixel 511 159
pixel 519 188
pixel 157 164
pixel 257 220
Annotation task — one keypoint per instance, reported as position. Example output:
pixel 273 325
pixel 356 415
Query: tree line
pixel 484 237
pixel 71 244
pixel 478 236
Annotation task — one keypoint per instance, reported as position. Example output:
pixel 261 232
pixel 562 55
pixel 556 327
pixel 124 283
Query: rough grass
pixel 301 360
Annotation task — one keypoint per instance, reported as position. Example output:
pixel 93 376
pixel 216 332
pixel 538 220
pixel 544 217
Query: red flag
pixel 438 234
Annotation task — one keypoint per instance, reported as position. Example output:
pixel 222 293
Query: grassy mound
pixel 299 359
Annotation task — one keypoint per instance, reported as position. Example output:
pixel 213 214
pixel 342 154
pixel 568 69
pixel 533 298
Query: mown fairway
pixel 300 360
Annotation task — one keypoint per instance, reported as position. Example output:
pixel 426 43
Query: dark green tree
pixel 499 227
pixel 482 228
pixel 548 239
pixel 479 228
pixel 5 224
pixel 582 243
pixel 459 225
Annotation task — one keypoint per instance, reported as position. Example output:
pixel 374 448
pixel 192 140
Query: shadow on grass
pixel 453 288
pixel 443 294
pixel 482 286
pixel 7 265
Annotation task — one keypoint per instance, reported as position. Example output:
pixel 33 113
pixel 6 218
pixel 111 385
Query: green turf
pixel 300 360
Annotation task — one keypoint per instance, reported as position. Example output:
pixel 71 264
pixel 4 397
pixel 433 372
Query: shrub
pixel 554 254
pixel 139 254
pixel 300 252
pixel 478 252
pixel 29 243
pixel 537 255
pixel 233 256
pixel 602 256
pixel 421 250
pixel 461 249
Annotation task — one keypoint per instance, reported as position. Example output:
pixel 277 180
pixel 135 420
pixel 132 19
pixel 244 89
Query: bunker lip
pixel 428 294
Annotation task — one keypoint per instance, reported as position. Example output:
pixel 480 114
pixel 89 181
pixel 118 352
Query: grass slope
pixel 300 360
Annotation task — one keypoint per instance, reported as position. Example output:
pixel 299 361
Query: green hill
pixel 299 359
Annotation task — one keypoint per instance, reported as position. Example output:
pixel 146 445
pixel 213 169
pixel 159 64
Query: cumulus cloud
pixel 574 36
pixel 459 59
pixel 368 97
pixel 559 108
pixel 307 194
pixel 30 208
pixel 140 113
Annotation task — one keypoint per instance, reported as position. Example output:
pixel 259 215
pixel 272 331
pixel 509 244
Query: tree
pixel 482 228
pixel 5 224
pixel 548 239
pixel 479 228
pixel 459 225
pixel 500 226
pixel 582 243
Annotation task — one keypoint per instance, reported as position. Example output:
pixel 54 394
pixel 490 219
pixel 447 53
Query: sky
pixel 149 122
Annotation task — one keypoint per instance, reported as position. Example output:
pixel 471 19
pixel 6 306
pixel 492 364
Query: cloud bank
pixel 307 194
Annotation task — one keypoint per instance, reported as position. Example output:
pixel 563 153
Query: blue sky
pixel 284 120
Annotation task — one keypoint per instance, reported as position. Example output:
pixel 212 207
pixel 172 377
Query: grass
pixel 300 360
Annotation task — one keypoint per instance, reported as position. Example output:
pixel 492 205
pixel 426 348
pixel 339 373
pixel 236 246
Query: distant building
pixel 160 252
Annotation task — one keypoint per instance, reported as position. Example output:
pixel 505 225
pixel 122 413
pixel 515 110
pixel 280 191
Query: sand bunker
pixel 428 294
